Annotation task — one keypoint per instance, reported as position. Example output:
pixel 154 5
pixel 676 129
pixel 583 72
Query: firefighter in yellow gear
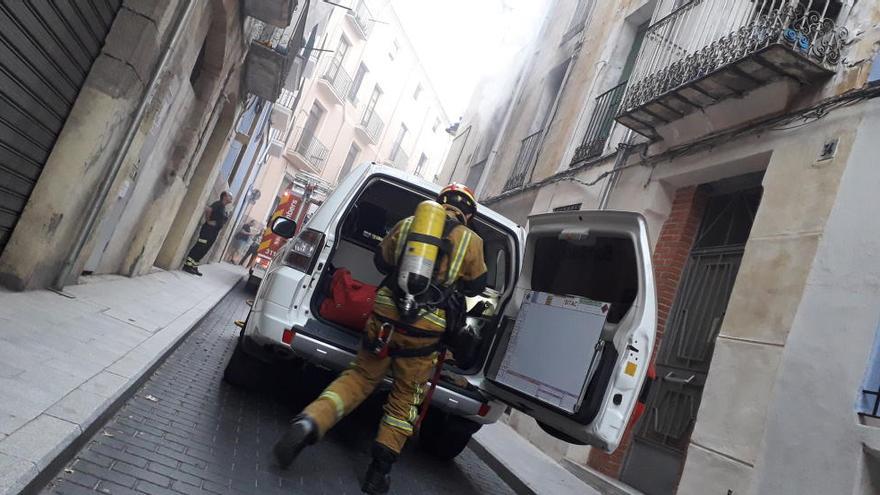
pixel 407 347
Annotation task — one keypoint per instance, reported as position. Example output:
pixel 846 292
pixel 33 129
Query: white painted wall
pixel 813 439
pixel 397 77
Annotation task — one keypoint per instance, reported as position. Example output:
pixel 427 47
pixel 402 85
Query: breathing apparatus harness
pixel 414 282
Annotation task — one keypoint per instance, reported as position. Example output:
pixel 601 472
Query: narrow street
pixel 185 431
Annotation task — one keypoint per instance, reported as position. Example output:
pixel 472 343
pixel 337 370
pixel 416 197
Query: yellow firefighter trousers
pixel 410 377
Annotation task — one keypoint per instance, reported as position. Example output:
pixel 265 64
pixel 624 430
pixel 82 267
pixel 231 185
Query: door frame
pixel 745 194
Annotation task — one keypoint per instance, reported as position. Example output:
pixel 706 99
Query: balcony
pixel 525 160
pixel 601 124
pixel 271 55
pixel 399 158
pixel 708 51
pixel 359 19
pixel 335 82
pixel 275 12
pixel 369 128
pixel 307 153
pixel 265 69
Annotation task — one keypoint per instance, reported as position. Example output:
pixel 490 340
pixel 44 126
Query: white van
pixel 585 255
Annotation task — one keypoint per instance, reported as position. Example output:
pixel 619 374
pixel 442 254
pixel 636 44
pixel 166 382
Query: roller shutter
pixel 46 50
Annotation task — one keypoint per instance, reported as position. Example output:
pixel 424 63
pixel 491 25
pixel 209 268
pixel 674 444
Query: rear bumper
pixel 336 359
pixel 328 356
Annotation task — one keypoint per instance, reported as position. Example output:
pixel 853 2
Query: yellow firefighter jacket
pixel 464 262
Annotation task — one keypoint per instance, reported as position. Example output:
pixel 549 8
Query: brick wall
pixel 670 255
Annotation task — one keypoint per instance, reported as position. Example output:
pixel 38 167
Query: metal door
pixel 46 51
pixel 660 442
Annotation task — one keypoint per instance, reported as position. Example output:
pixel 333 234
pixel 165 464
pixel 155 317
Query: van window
pixel 377 211
pixel 495 248
pixel 601 268
pixel 383 204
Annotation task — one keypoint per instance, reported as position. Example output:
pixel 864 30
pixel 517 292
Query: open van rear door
pixel 576 340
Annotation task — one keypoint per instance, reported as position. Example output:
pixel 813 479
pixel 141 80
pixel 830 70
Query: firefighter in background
pixel 409 347
pixel 215 218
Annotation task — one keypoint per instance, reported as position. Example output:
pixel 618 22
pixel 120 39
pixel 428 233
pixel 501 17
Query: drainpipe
pixel 97 203
pixel 623 150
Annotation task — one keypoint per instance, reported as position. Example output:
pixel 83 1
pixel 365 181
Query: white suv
pixel 599 255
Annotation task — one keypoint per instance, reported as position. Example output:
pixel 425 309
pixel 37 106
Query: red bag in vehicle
pixel 350 302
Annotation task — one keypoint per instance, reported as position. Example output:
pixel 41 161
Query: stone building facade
pixel 743 132
pixel 119 118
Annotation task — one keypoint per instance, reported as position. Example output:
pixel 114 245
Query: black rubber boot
pixel 378 479
pixel 192 269
pixel 302 432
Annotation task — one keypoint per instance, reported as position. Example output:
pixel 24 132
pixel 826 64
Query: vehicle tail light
pixel 304 250
pixel 287 336
pixel 484 409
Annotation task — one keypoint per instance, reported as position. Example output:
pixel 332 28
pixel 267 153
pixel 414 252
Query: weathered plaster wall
pixel 219 31
pixel 144 172
pixel 84 150
pixel 135 217
pixel 828 340
pixel 726 441
pixel 188 218
pixel 597 57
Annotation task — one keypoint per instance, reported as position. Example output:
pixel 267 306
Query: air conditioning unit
pixel 276 148
pixel 280 117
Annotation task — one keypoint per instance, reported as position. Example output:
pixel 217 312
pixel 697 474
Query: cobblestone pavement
pixel 187 432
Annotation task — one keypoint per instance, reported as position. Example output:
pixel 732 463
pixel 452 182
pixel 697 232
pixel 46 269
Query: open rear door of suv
pixel 576 341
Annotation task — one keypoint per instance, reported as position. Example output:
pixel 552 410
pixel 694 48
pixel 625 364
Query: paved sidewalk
pixel 65 360
pixel 523 466
pixel 605 484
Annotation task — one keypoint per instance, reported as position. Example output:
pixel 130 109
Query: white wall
pixel 397 78
pixel 821 369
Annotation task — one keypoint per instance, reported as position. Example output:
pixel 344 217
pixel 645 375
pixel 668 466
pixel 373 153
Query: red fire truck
pixel 290 206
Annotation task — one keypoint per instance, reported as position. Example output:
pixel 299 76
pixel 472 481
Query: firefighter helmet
pixel 460 197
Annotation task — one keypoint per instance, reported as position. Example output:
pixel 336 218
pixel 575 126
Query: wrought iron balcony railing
pixel 703 37
pixel 371 125
pixel 312 151
pixel 528 149
pixel 339 80
pixel 600 124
